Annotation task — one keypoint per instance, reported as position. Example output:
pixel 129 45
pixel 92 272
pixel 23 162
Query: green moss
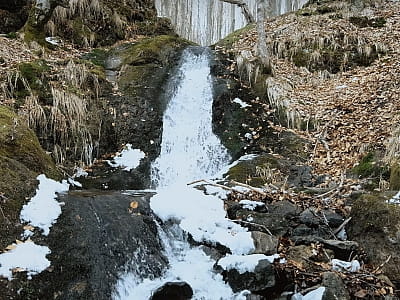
pixel 395 177
pixel 11 35
pixel 369 167
pixel 246 171
pixel 19 143
pixel 228 41
pixel 97 56
pixel 33 72
pixel 17 183
pixel 151 50
pixel 374 214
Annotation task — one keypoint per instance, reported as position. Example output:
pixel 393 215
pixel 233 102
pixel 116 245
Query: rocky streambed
pixel 297 231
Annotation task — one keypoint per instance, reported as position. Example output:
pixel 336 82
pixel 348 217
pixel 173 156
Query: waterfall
pixel 207 21
pixel 189 151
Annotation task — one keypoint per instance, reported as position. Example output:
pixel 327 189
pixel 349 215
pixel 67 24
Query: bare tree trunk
pixel 262 48
pixel 245 9
pixel 39 15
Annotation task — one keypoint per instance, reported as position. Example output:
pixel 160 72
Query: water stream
pixel 189 151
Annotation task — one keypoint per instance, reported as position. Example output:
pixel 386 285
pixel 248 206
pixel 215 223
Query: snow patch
pixel 43 209
pixel 217 192
pixel 26 256
pixel 251 205
pixel 313 295
pixel 340 265
pixel 128 158
pixel 241 103
pixel 79 172
pixel 203 216
pixel 395 199
pixel 74 182
pixel 244 263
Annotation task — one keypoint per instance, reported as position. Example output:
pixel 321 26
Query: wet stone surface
pixel 98 236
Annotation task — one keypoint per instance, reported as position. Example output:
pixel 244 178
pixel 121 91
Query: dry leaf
pixel 29 227
pixel 361 293
pixel 11 247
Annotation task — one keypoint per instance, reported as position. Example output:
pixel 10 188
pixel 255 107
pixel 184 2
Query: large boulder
pixel 21 160
pixel 375 225
pixel 257 280
pixel 98 237
pixel 335 288
pixel 173 290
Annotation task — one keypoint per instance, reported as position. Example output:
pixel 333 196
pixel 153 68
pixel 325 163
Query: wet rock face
pixel 262 278
pixel 173 290
pixel 94 240
pixel 139 73
pixel 335 288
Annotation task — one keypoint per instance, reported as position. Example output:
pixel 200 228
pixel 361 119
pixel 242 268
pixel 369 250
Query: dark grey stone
pixel 173 291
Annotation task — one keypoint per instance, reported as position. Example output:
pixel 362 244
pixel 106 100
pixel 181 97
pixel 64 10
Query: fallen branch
pixel 337 230
pixel 216 185
pixel 381 265
pixel 254 224
pixel 249 187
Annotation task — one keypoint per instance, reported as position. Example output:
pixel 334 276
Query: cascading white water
pixel 189 151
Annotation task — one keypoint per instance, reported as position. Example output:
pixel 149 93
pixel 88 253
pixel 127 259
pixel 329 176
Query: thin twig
pixel 381 265
pixel 249 187
pixel 337 230
pixel 254 224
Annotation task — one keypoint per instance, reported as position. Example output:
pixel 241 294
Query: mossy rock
pixel 97 56
pixel 371 166
pixel 395 177
pixel 152 50
pixel 17 183
pixel 19 143
pixel 246 171
pixel 35 75
pixel 372 213
pixel 228 41
pixel 375 225
pixel 21 160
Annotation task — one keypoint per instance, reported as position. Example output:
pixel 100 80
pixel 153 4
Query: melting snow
pixel 395 199
pixel 251 205
pixel 241 103
pixel 244 263
pixel 26 256
pixel 313 295
pixel 43 209
pixel 340 265
pixel 183 204
pixel 129 158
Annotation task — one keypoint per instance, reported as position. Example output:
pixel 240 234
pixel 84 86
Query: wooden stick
pixel 249 187
pixel 254 224
pixel 381 265
pixel 216 185
pixel 337 230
